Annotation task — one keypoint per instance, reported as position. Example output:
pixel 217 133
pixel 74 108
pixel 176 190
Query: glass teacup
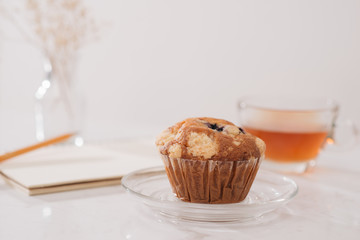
pixel 294 129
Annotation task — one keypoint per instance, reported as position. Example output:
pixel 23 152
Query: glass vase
pixel 59 107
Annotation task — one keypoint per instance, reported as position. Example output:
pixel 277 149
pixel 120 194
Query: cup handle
pixel 343 136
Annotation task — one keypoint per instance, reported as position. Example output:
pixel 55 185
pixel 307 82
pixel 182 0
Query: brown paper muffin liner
pixel 211 181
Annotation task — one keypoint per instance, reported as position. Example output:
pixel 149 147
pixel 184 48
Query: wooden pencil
pixel 35 146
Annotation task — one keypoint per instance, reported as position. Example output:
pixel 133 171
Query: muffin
pixel 209 160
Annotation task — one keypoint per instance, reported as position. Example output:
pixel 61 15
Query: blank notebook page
pixel 61 168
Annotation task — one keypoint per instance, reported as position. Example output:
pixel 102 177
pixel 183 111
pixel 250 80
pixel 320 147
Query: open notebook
pixel 63 168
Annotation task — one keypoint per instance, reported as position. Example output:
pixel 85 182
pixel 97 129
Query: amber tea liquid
pixel 290 146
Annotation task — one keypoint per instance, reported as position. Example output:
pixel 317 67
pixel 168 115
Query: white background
pixel 159 61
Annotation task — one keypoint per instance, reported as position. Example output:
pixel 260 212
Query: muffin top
pixel 209 138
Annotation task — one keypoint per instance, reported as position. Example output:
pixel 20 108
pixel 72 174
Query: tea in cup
pixel 294 129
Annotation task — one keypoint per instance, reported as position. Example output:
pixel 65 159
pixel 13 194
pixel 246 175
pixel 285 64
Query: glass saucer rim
pixel 206 205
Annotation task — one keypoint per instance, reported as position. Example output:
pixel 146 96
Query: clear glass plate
pixel 268 192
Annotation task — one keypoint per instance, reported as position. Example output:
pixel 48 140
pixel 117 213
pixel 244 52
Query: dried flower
pixel 59 28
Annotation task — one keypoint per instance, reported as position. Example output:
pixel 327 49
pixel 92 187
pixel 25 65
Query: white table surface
pixel 327 206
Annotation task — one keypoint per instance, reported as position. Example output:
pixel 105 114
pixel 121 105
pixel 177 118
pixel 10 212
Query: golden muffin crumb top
pixel 209 138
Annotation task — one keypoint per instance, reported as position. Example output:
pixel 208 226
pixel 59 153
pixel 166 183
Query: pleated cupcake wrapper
pixel 211 181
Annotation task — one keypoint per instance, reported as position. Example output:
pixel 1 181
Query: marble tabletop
pixel 327 206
